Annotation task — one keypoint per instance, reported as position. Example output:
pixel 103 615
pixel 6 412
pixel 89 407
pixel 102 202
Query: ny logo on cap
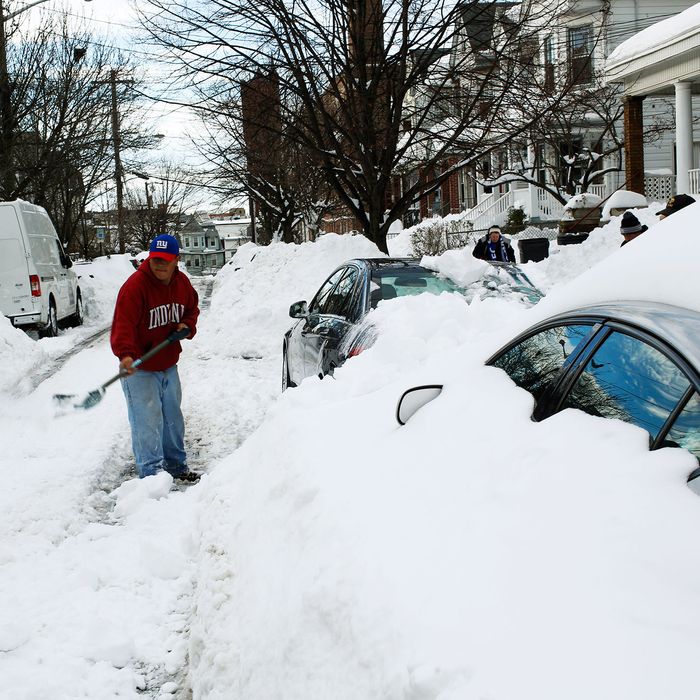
pixel 161 244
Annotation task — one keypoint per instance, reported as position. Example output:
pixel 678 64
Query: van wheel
pixel 50 330
pixel 77 318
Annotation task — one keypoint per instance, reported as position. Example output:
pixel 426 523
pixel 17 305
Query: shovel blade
pixel 92 398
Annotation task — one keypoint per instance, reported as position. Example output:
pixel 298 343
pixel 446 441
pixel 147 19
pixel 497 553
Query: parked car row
pixel 330 328
pixel 636 361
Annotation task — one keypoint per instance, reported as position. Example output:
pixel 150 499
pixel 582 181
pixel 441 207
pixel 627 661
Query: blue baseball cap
pixel 164 246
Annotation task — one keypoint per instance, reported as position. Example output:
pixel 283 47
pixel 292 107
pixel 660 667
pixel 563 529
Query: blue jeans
pixel 157 426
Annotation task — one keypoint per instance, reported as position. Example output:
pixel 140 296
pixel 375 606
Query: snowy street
pixel 326 551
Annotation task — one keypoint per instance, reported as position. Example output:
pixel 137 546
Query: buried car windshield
pixel 394 283
pixel 506 279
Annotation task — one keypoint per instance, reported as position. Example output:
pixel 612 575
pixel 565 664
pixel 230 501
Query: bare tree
pixel 365 88
pixel 56 145
pixel 160 205
pixel 578 143
pixel 249 155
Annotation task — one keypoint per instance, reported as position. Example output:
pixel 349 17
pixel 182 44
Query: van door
pixel 52 264
pixel 15 291
pixel 66 282
pixel 48 266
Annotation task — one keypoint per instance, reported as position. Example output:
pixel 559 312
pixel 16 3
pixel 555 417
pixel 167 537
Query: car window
pixel 324 291
pixel 535 363
pixel 627 378
pixel 339 301
pixel 44 250
pixel 401 283
pixel 685 431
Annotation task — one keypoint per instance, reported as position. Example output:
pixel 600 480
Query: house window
pixel 196 262
pixel 581 55
pixel 548 50
pixel 187 242
pixel 486 173
pixel 541 163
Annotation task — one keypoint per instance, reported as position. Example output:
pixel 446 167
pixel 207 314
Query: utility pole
pixel 117 162
pixel 7 175
pixel 118 171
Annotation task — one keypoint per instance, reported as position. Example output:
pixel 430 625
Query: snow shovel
pixel 92 398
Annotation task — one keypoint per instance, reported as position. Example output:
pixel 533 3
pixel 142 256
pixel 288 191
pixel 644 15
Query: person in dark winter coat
pixel 156 300
pixel 630 227
pixel 674 204
pixel 494 247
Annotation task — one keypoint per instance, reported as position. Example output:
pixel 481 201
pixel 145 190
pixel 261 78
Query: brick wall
pixel 634 144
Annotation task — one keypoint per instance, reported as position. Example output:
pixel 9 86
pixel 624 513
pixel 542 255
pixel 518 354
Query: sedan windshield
pixel 404 282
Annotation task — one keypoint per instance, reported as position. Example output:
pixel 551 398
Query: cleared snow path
pixel 124 550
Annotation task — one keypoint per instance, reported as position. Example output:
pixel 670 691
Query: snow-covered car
pixel 331 327
pixel 634 361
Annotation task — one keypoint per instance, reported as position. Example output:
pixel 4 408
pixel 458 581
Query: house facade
pixel 233 233
pixel 583 147
pixel 662 64
pixel 201 248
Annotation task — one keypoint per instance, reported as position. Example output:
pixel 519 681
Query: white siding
pixel 659 154
pixel 631 16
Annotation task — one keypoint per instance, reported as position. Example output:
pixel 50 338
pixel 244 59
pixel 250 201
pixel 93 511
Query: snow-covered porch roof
pixel 653 60
pixel 663 59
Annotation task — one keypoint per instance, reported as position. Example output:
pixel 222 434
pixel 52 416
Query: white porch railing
pixel 598 190
pixel 495 214
pixel 659 188
pixel 480 208
pixel 549 207
pixel 694 178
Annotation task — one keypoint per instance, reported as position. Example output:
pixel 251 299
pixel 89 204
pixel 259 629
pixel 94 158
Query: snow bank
pixel 428 559
pixel 330 553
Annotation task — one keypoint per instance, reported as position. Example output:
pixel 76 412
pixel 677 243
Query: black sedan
pixel 634 361
pixel 314 344
pixel 329 328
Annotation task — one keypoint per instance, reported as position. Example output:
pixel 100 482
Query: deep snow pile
pixel 343 556
pixel 330 553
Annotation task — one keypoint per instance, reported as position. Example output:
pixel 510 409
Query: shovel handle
pixel 172 338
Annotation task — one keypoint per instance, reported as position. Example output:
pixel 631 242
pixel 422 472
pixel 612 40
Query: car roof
pixel 678 326
pixel 379 263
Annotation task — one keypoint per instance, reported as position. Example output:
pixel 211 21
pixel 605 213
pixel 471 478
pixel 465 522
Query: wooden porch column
pixel 634 146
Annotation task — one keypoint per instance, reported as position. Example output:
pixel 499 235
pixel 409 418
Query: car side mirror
pixel 694 481
pixel 299 309
pixel 414 399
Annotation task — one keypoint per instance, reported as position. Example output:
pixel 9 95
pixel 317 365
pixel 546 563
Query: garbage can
pixel 533 249
pixel 571 238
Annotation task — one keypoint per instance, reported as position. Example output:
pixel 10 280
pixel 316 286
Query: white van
pixel 38 290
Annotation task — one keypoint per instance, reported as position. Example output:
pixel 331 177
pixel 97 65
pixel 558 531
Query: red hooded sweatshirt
pixel 147 311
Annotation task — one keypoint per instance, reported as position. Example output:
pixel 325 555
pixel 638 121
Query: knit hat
pixel 676 203
pixel 630 224
pixel 164 246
